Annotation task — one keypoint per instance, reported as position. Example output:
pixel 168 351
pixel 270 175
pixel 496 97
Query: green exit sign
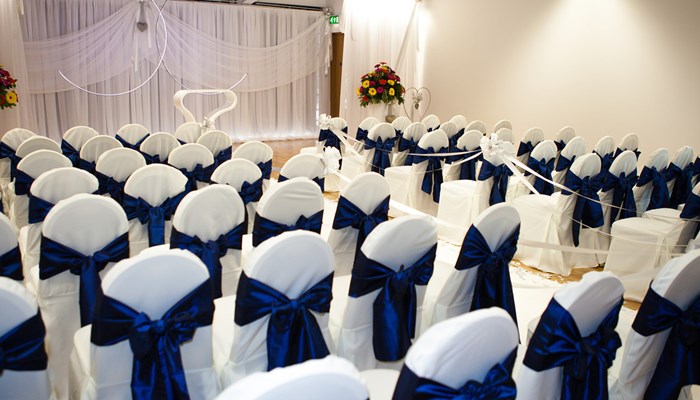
pixel 334 19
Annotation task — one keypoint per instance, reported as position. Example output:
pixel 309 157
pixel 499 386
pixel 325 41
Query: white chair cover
pixel 132 135
pixel 659 160
pixel 304 165
pixel 150 283
pixel 10 141
pixel 94 148
pixel 545 150
pixel 412 134
pixel 460 120
pixel 504 123
pixel 208 214
pixel 216 141
pixel 629 142
pixel 235 173
pixel 8 242
pixel 431 122
pixel 604 145
pixel 362 130
pixel 19 306
pixel 188 157
pixel 305 259
pixel 417 198
pixel 78 135
pixel 563 137
pixel 328 378
pixel 530 139
pixel 367 191
pixel 188 132
pixel 477 125
pixel 156 148
pixel 85 223
pixel 574 148
pixel 588 301
pixel 400 124
pixel 352 166
pixel 120 163
pixel 260 154
pixel 682 159
pixel 470 141
pixel 506 135
pixel 35 143
pixel 396 243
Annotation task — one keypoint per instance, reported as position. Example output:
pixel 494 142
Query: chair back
pixel 504 123
pixel 11 265
pixel 471 140
pixel 573 149
pixel 368 123
pixel 658 160
pixel 606 145
pixel 563 137
pixel 12 139
pixel 506 135
pixel 216 141
pixel 133 133
pixel 340 123
pixel 305 165
pixel 188 132
pixel 260 154
pixel 450 128
pixel 459 120
pixel 78 135
pixel 187 157
pixel 530 139
pixel 545 151
pixel 629 142
pixel 400 124
pixel 236 173
pixel 624 163
pixel 120 163
pixel 428 169
pixel 477 125
pixel 414 132
pixel 381 131
pixel 431 122
pixel 35 143
pixel 96 146
pixel 158 146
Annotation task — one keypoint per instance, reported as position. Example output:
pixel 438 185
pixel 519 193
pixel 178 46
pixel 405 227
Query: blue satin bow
pixel 222 156
pixel 22 347
pixel 432 178
pixel 696 168
pixel 453 146
pixel 493 286
pixel 197 174
pixel 22 182
pixel 154 216
pixel 69 151
pixel 56 258
pixel 409 145
pixel 691 209
pixel 329 139
pixel 382 153
pixel 320 181
pixel 38 209
pixel 619 151
pixel 623 197
pixel 564 163
pixel 394 311
pixel 606 161
pixel 659 192
pixel 679 363
pixel 136 146
pixel 251 192
pixel 500 176
pixel 525 148
pixel 497 385
pixel 265 168
pixel 293 334
pixel 361 134
pixel 264 228
pixel 467 169
pixel 8 152
pixel 543 168
pixel 110 187
pixel 154 159
pixel 557 342
pixel 157 367
pixel 210 252
pixel 560 145
pixel 86 165
pixel 348 214
pixel 682 186
pixel 588 210
pixel 11 264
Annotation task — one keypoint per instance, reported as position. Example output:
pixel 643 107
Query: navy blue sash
pixel 525 148
pixel 432 178
pixel 560 145
pixel 7 152
pixel 606 161
pixel 696 168
pixel 557 342
pixel 136 146
pixel 467 169
pixel 69 151
pixel 329 139
pixel 157 367
pixel 22 183
pixel 619 151
pixel 497 385
pixel 588 210
pixel 293 334
pixel 543 168
pixel 493 286
pixel 38 208
pixel 361 134
pixel 320 181
pixel 500 176
pixel 154 216
pixel 110 187
pixel 56 258
pixel 264 228
pixel 409 145
pixel 659 192
pixel 623 197
pixel 683 185
pixel 265 168
pixel 394 311
pixel 153 159
pixel 564 163
pixel 348 214
pixel 88 166
pixel 382 153
pixel 399 135
pixel 210 252
pixel 691 209
pixel 198 174
pixel 11 265
pixel 251 192
pixel 679 364
pixel 453 146
pixel 222 156
pixel 22 347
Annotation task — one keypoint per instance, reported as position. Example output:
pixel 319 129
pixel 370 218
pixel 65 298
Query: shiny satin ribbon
pixel 432 178
pixel 154 159
pixel 22 347
pixel 382 153
pixel 85 165
pixel 222 156
pixel 453 146
pixel 409 145
pixel 691 209
pixel 619 151
pixel 496 385
pixel 265 168
pixel 11 264
pixel 320 181
pixel 394 311
pixel 361 134
pixel 500 176
pixel 110 187
pixel 69 151
pixel 197 174
pixel 560 145
pixel 623 197
pixel 293 334
pixel 564 163
pixel 493 286
pixel 588 211
pixel 157 371
pixel 251 191
pixel 8 152
pixel 557 342
pixel 38 209
pixel 329 139
pixel 210 251
pixel 264 228
pixel 606 161
pixel 154 216
pixel 683 185
pixel 348 214
pixel 525 148
pixel 135 146
pixel 659 192
pixel 22 183
pixel 543 168
pixel 696 169
pixel 467 166
pixel 679 363
pixel 56 258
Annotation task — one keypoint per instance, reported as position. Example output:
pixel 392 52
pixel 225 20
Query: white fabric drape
pixel 96 44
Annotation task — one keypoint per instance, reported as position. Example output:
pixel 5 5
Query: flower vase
pixel 390 116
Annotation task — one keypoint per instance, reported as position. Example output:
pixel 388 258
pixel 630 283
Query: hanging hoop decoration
pixel 417 103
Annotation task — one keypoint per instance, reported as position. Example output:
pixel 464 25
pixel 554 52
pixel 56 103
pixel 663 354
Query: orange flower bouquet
pixel 381 85
pixel 8 97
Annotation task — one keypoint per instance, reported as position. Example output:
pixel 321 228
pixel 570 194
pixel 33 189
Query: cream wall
pixel 606 67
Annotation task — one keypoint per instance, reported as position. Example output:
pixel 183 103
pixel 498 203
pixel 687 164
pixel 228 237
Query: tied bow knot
pixel 683 185
pixel 361 134
pixel 329 138
pixel 8 152
pixel 382 153
pixel 199 173
pixel 525 148
pixel 500 174
pixel 659 192
pixel 543 168
pixel 599 347
pixel 348 214
pixel 251 191
pixel 22 347
pixel 71 152
pixel 108 185
pixel 265 168
pixel 264 228
pixel 588 211
pixel 623 197
pixel 409 145
pixel 154 216
pixel 432 177
pixel 151 336
pixel 134 146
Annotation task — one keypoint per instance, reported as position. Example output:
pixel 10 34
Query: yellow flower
pixel 372 91
pixel 391 82
pixel 365 84
pixel 11 97
pixel 357 91
pixel 391 91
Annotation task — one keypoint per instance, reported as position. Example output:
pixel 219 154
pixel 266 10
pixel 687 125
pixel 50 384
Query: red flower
pixel 365 99
pixel 382 81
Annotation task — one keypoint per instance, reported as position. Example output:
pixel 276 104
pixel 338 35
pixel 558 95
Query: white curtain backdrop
pixel 97 45
pixel 375 31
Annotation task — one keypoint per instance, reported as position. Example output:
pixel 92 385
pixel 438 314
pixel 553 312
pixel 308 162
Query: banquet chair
pixel 260 154
pixel 469 142
pixel 453 134
pixel 373 328
pixel 152 335
pixel 679 176
pixel 188 132
pixel 425 176
pixel 575 148
pixel 605 149
pixel 577 328
pixel 246 178
pixel 461 122
pixel 530 139
pixel 554 220
pixel 563 137
pixel 277 319
pixel 506 135
pixel 157 147
pixel 309 166
pixel 362 131
pixel 504 123
pixel 362 205
pixel 489 246
pixel 151 195
pixel 114 167
pixel 8 159
pixel 668 312
pixel 10 256
pixel 408 143
pixel 376 154
pixel 219 144
pixel 295 204
pixel 431 122
pixel 629 142
pixel 93 149
pixel 196 162
pixel 541 160
pixel 329 127
pixel 28 169
pixel 22 335
pixel 328 378
pixel 82 237
pixel 478 126
pixel 132 135
pixel 35 143
pixel 209 223
pixel 651 190
pixel 400 124
pixel 74 139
